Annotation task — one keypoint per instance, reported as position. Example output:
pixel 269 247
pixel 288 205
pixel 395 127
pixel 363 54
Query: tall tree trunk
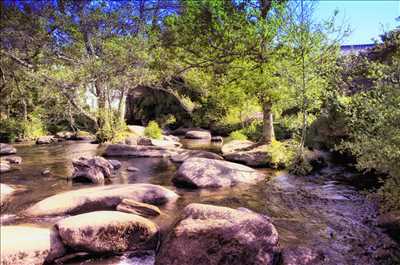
pixel 101 103
pixel 268 125
pixel 122 106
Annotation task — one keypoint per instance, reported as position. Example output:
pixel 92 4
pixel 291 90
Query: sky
pixel 367 19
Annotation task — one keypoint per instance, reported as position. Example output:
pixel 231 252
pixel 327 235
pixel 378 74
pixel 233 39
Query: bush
pixel 153 130
pixel 237 135
pixel 280 153
pixel 389 194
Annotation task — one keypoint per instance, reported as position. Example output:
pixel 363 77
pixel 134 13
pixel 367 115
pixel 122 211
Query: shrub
pixel 280 153
pixel 153 130
pixel 389 194
pixel 237 135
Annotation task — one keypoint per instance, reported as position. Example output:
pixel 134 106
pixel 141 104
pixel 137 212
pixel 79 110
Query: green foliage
pixel 113 129
pixel 389 194
pixel 153 131
pixel 280 153
pixel 237 135
pixel 372 117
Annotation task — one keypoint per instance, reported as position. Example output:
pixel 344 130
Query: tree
pixel 313 50
pixel 372 117
pixel 233 42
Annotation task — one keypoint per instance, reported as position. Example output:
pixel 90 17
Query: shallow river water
pixel 322 212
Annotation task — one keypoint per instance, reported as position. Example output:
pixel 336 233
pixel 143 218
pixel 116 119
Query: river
pixel 323 211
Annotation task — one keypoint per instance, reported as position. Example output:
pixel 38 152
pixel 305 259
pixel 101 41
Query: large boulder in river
pixel 139 151
pixel 198 134
pixel 137 129
pixel 180 158
pixel 210 173
pixel 92 169
pixel 215 235
pixel 160 143
pixel 108 232
pixel 235 145
pixel 7 149
pixel 256 155
pixel 239 151
pixel 48 139
pixel 22 245
pixel 100 198
pixel 5 193
pixel 4 166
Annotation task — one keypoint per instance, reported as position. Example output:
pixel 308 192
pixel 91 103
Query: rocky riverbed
pixel 318 219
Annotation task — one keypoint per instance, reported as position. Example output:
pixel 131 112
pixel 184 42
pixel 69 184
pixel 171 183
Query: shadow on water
pixel 319 211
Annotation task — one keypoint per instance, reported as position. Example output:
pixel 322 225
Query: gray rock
pixel 211 173
pixel 301 256
pixel 100 198
pixel 132 169
pixel 4 166
pixel 139 151
pixel 91 169
pixel 46 172
pixel 139 208
pixel 131 141
pixel 5 193
pixel 171 138
pixel 115 163
pixel 22 245
pixel 7 149
pixel 245 152
pixel 65 135
pixel 108 232
pixel 137 129
pixel 198 134
pixel 13 159
pixel 180 158
pixel 215 235
pixel 46 139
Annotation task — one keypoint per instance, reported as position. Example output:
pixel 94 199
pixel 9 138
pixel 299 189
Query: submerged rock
pixel 139 151
pixel 108 232
pixel 22 245
pixel 91 169
pixel 7 149
pixel 5 193
pixel 211 173
pixel 215 235
pixel 100 198
pixel 132 169
pixel 199 134
pixel 180 158
pixel 139 208
pixel 46 139
pixel 13 159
